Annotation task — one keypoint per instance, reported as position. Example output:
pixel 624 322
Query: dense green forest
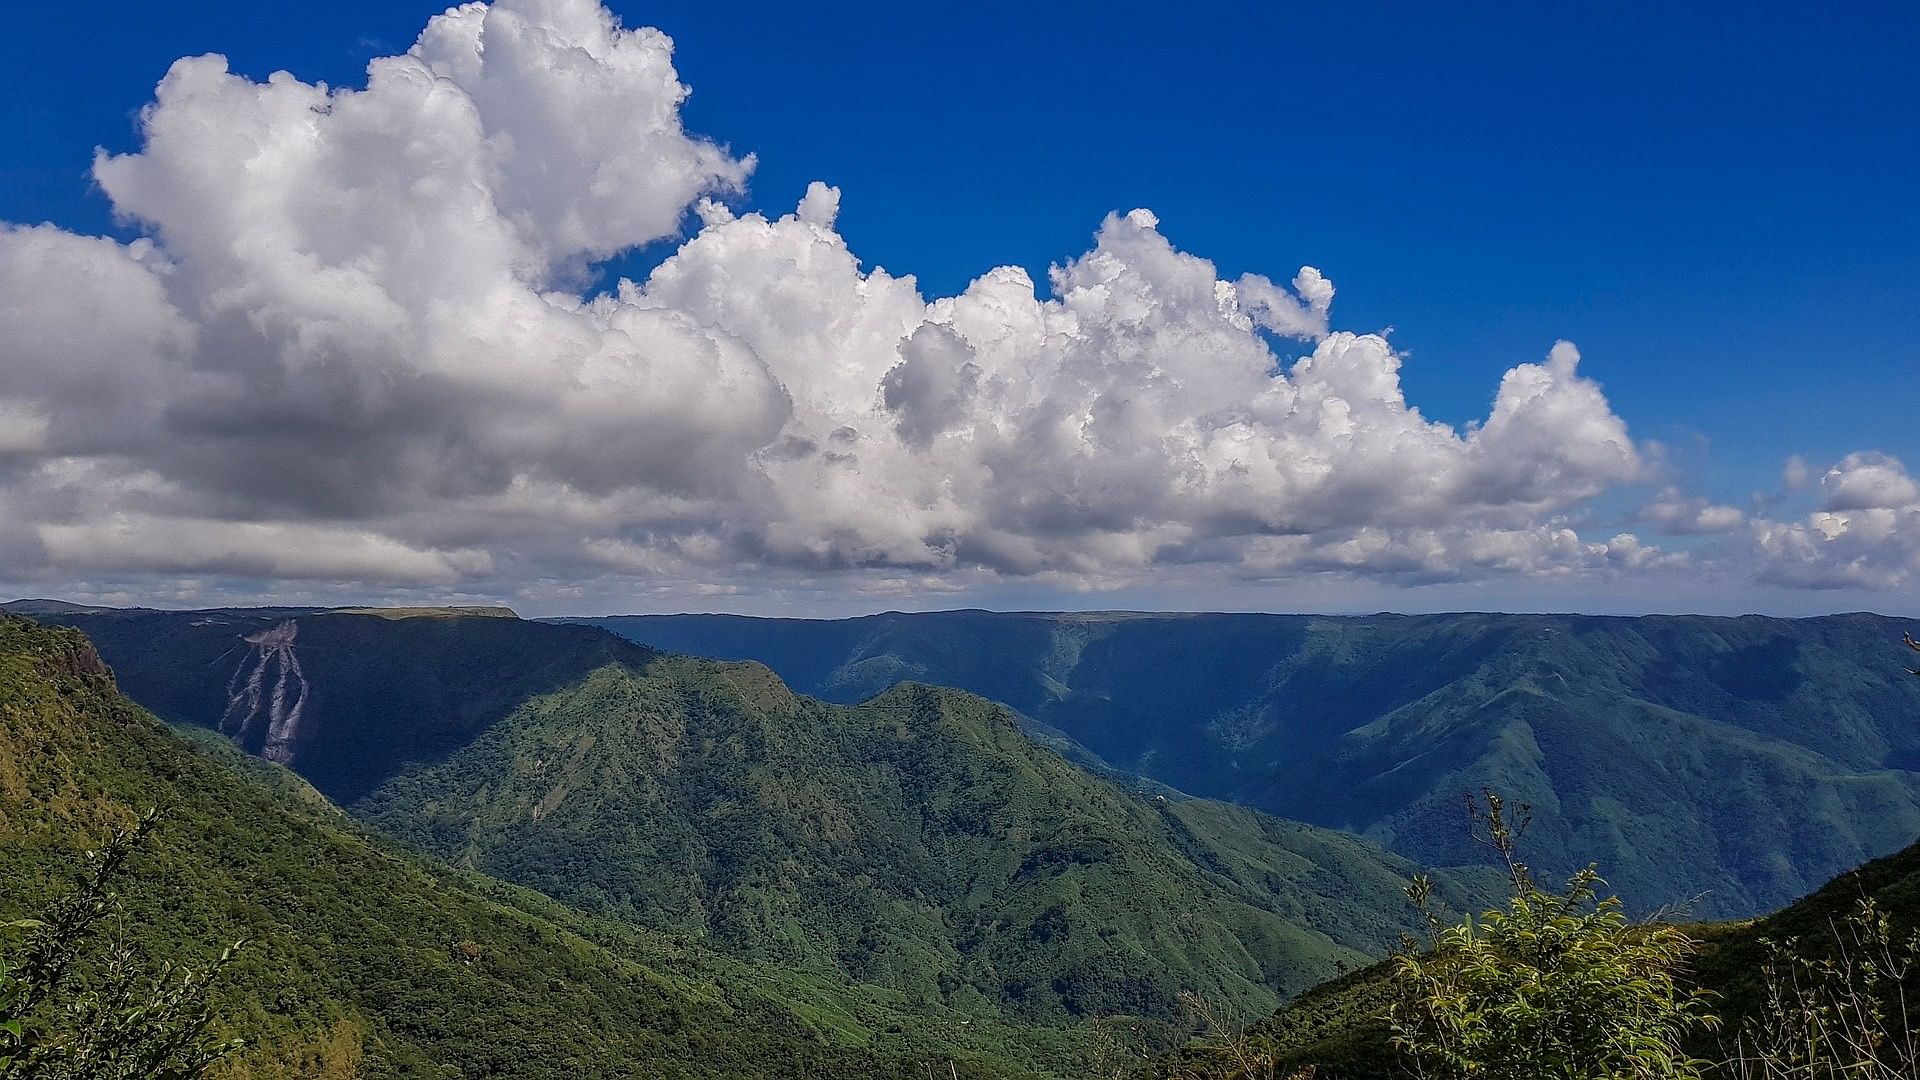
pixel 919 842
pixel 363 960
pixel 1729 764
pixel 505 848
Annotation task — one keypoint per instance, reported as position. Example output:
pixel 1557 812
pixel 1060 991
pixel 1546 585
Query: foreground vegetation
pixel 115 1019
pixel 1559 984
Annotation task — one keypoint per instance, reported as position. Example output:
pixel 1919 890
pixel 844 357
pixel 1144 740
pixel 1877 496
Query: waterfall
pixel 267 690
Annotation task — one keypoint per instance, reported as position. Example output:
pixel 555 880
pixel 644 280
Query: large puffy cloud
pixel 1134 415
pixel 367 273
pixel 351 347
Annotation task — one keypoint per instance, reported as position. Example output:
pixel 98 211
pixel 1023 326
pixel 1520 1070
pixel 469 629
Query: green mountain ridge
pixel 363 960
pixel 919 843
pixel 1730 764
pixel 735 879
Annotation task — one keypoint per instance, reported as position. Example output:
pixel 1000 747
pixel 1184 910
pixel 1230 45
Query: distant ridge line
pixel 1129 613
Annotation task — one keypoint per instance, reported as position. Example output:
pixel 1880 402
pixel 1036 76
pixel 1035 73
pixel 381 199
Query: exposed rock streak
pixel 270 662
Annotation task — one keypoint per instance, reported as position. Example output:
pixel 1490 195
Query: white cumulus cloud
pixel 350 346
pixel 1866 534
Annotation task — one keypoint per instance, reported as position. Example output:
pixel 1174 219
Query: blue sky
pixel 1716 204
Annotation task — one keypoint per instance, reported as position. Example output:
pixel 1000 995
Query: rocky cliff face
pixel 346 698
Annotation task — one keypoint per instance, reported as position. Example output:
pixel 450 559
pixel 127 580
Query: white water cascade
pixel 267 688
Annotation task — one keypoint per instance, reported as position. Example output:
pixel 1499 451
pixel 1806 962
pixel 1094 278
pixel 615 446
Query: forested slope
pixel 919 844
pixel 1731 764
pixel 362 960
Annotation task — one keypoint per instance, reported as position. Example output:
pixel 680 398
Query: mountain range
pixel 466 844
pixel 918 842
pixel 1722 765
pixel 361 959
